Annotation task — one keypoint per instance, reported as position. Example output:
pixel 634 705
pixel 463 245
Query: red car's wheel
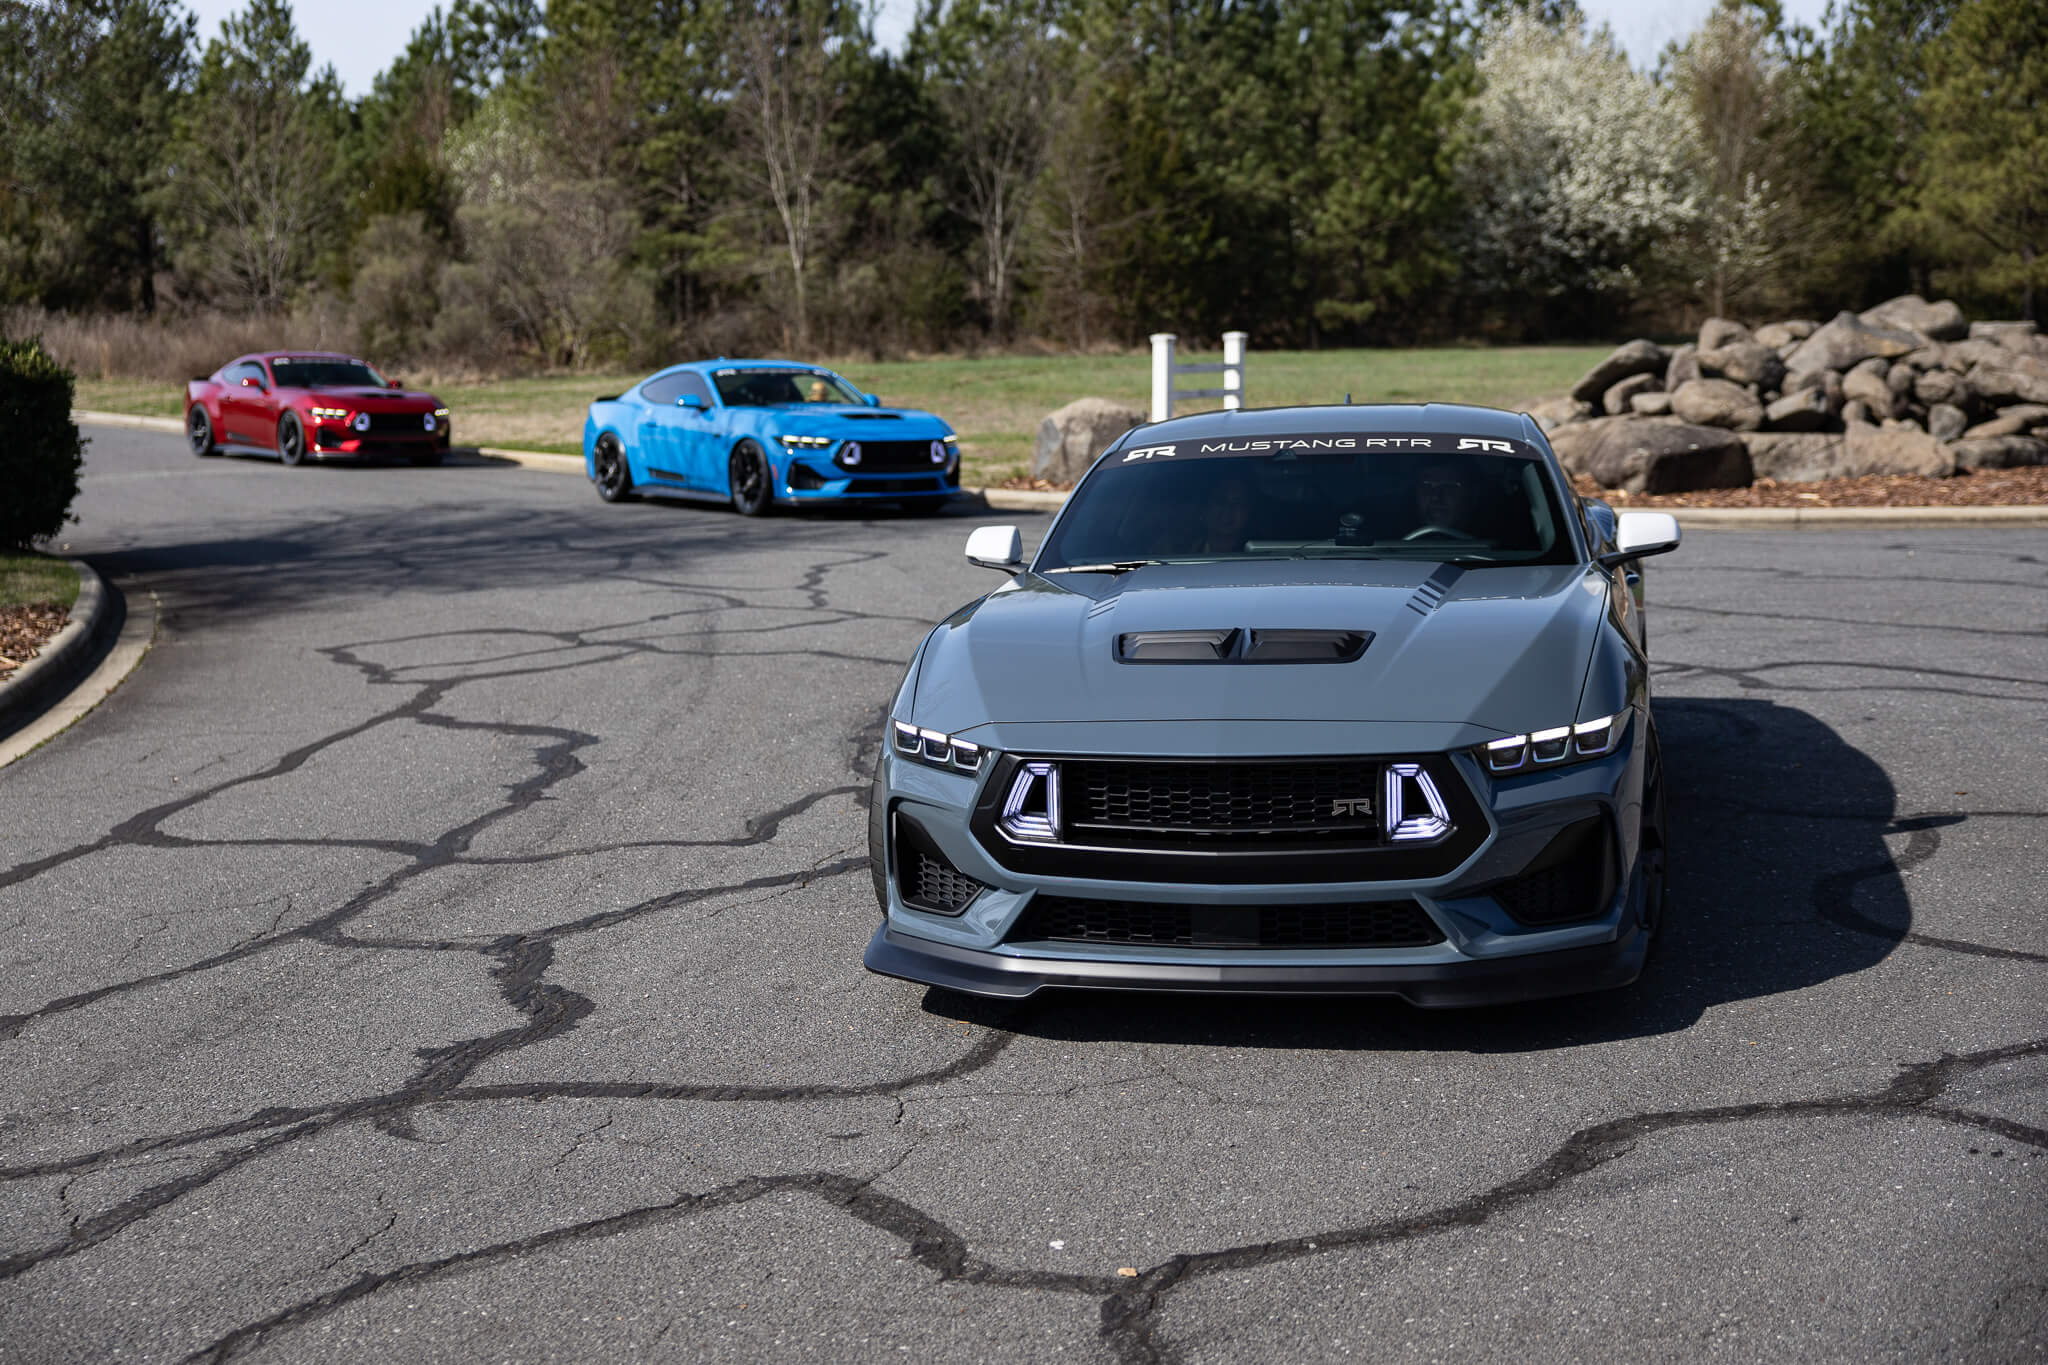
pixel 199 431
pixel 291 439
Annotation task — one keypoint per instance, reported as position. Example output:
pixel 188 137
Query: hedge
pixel 40 451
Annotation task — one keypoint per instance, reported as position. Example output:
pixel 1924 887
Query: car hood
pixel 859 422
pixel 374 399
pixel 1501 647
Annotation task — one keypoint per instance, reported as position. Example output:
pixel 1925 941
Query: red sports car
pixel 312 405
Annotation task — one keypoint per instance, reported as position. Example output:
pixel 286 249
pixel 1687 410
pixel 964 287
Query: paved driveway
pixel 447 946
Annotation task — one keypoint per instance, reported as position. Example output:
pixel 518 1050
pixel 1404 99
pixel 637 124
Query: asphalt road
pixel 447 946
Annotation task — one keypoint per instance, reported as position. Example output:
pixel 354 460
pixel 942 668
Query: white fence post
pixel 1233 370
pixel 1162 376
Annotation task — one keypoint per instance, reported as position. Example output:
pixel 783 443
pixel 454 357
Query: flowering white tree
pixel 1579 167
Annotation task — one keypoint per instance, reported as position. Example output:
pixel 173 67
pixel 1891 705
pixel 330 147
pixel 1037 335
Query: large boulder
pixel 1643 455
pixel 1743 362
pixel 1780 334
pixel 1683 367
pixel 1898 450
pixel 2001 385
pixel 1718 332
pixel 1946 421
pixel 1616 401
pixel 2012 421
pixel 1651 403
pixel 1960 356
pixel 1992 331
pixel 1553 413
pixel 1941 321
pixel 1795 457
pixel 1071 438
pixel 1847 340
pixel 1800 410
pixel 1717 403
pixel 1631 357
pixel 1868 387
pixel 1940 386
pixel 1999 452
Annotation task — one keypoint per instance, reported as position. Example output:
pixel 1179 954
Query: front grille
pixel 1572 879
pixel 932 485
pixel 1365 924
pixel 1138 802
pixel 389 424
pixel 890 457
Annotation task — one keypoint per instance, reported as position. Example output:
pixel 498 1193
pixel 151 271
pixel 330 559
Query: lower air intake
pixel 1571 879
pixel 925 879
pixel 1364 924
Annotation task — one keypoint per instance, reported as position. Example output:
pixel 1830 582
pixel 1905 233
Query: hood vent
pixel 871 416
pixel 1241 646
pixel 1434 589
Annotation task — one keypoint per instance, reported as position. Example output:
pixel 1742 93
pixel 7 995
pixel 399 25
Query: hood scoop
pixel 1241 646
pixel 871 416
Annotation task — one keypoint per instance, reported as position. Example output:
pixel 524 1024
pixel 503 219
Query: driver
pixel 1444 497
pixel 1226 515
pixel 819 393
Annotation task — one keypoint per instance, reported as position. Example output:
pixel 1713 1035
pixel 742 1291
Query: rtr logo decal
pixel 1351 805
pixel 1146 453
pixel 1474 443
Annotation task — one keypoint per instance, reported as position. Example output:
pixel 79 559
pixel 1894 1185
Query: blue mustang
pixel 759 432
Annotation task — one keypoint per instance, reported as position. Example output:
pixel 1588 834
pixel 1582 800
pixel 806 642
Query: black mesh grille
pixel 932 485
pixel 1320 799
pixel 1366 924
pixel 1572 879
pixel 387 424
pixel 894 456
pixel 924 877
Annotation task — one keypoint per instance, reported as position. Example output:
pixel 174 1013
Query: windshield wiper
pixel 1117 566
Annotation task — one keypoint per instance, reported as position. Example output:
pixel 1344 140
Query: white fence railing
pixel 1166 372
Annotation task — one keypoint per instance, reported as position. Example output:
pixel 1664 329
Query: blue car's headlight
pixel 805 442
pixel 1555 747
pixel 940 751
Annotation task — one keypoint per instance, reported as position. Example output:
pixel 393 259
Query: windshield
pixel 768 388
pixel 1343 496
pixel 325 372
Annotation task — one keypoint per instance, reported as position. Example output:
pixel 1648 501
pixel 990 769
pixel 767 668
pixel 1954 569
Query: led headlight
pixel 805 442
pixel 1558 745
pixel 330 414
pixel 940 751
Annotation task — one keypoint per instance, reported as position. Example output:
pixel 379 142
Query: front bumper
pixel 1439 985
pixel 810 480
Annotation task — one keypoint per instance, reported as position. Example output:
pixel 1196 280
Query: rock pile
pixel 1907 387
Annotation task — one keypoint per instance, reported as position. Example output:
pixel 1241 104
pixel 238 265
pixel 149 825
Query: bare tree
pixel 787 96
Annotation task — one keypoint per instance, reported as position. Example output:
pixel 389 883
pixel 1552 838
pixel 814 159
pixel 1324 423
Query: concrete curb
pixel 1029 500
pixel 95 617
pixel 137 634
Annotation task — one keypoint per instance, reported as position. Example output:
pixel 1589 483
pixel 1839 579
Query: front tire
pixel 752 485
pixel 610 473
pixel 199 432
pixel 291 440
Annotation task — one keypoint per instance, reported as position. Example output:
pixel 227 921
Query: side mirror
pixel 1642 533
pixel 394 383
pixel 690 400
pixel 250 381
pixel 873 400
pixel 996 547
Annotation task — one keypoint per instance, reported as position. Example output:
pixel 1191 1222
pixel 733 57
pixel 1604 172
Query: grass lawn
pixel 996 402
pixel 26 579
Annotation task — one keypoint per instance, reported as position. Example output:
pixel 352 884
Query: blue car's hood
pixel 1503 648
pixel 859 422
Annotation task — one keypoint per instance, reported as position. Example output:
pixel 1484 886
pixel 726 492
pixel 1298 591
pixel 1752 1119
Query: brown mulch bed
pixel 1969 488
pixel 1978 488
pixel 24 631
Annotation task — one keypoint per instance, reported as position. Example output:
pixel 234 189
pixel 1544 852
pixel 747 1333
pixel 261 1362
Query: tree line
pixel 600 180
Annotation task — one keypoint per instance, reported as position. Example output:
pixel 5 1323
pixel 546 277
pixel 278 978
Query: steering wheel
pixel 1448 532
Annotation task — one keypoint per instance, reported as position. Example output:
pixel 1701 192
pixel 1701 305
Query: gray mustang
pixel 1321 699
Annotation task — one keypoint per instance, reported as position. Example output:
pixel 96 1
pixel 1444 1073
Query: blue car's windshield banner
pixel 1311 444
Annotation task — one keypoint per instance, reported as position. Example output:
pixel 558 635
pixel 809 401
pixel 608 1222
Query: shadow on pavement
pixel 1781 880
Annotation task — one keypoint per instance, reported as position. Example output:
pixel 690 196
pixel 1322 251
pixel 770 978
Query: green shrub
pixel 40 453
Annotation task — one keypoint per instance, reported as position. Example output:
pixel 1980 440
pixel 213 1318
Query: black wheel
pixel 199 431
pixel 923 507
pixel 291 439
pixel 752 487
pixel 426 457
pixel 613 479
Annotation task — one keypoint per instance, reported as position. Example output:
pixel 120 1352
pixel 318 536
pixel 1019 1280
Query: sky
pixel 361 37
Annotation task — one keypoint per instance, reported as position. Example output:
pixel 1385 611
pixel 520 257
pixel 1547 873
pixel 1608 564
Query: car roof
pixel 1450 419
pixel 741 363
pixel 300 355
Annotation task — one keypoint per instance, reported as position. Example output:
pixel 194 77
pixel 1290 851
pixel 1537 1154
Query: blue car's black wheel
pixel 753 490
pixel 614 481
pixel 291 440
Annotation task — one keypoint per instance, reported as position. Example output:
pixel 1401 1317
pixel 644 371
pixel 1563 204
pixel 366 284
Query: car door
pixel 698 430
pixel 659 440
pixel 242 404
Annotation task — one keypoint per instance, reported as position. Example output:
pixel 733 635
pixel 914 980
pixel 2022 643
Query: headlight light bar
pixel 940 751
pixel 1549 748
pixel 330 414
pixel 806 442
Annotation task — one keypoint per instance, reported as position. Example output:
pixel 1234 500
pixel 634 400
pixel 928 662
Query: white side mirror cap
pixel 996 547
pixel 1645 533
